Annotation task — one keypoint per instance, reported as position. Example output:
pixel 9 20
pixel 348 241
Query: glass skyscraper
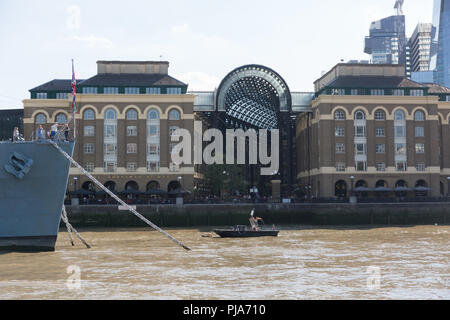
pixel 386 42
pixel 440 61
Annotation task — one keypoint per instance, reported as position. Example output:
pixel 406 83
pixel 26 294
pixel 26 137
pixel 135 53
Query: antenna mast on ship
pixel 74 104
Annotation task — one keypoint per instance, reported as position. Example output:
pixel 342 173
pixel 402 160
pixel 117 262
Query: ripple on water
pixel 325 263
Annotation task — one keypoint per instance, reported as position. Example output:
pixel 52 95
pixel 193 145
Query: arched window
pixel 419 116
pixel 61 118
pixel 421 188
pixel 173 185
pixel 174 114
pixel 110 185
pixel 132 114
pixel 132 185
pixel 401 184
pixel 152 185
pixel 88 186
pixel 89 114
pixel 153 114
pixel 361 184
pixel 381 184
pixel 399 115
pixel 380 115
pixel 339 115
pixel 340 189
pixel 360 115
pixel 40 119
pixel 110 114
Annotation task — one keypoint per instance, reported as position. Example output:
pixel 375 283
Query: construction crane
pixel 399 7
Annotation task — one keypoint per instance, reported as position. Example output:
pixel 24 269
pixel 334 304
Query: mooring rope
pixel 70 227
pixel 100 185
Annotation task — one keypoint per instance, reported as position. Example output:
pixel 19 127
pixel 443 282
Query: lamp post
pixel 75 183
pixel 352 179
pixel 353 198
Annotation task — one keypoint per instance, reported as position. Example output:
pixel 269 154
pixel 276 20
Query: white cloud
pixel 199 81
pixel 94 41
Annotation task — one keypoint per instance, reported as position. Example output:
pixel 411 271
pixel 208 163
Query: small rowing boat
pixel 243 232
pixel 240 231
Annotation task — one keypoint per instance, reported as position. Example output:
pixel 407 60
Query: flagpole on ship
pixel 74 109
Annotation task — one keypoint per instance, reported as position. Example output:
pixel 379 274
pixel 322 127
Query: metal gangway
pixel 100 185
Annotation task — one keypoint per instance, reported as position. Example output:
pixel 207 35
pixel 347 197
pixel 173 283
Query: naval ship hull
pixel 33 182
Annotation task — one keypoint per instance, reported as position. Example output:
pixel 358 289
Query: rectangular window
pixel 89 90
pixel 361 166
pixel 400 166
pixel 380 132
pixel 400 148
pixel 153 149
pixel 400 131
pixel 360 131
pixel 111 90
pixel 173 90
pixel 420 166
pixel 88 148
pixel 420 131
pixel 340 132
pixel 153 130
pixel 131 148
pixel 61 95
pixel 152 166
pixel 340 148
pixel 110 149
pixel 89 131
pixel 416 93
pixel 380 148
pixel 380 166
pixel 131 166
pixel 340 167
pixel 110 131
pixel 132 90
pixel 89 166
pixel 354 92
pixel 41 95
pixel 338 92
pixel 153 90
pixel 398 92
pixel 110 166
pixel 377 92
pixel 131 131
pixel 420 148
pixel 360 148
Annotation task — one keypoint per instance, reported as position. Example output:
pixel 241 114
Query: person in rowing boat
pixel 254 221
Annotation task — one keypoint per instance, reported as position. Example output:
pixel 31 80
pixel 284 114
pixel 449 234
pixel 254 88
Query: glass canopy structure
pixel 254 95
pixel 257 97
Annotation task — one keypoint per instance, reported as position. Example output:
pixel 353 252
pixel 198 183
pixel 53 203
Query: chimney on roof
pixel 137 67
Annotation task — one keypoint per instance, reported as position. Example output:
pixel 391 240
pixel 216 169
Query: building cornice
pixel 370 171
pixel 377 100
pixel 134 98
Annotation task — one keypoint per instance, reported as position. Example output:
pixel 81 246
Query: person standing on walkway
pixel 40 133
pixel 16 134
pixel 54 129
pixel 66 131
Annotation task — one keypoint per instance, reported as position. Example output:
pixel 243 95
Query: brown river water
pixel 302 263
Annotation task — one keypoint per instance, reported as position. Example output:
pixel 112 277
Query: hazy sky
pixel 202 39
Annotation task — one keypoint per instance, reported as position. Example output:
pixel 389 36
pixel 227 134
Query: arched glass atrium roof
pixel 255 95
